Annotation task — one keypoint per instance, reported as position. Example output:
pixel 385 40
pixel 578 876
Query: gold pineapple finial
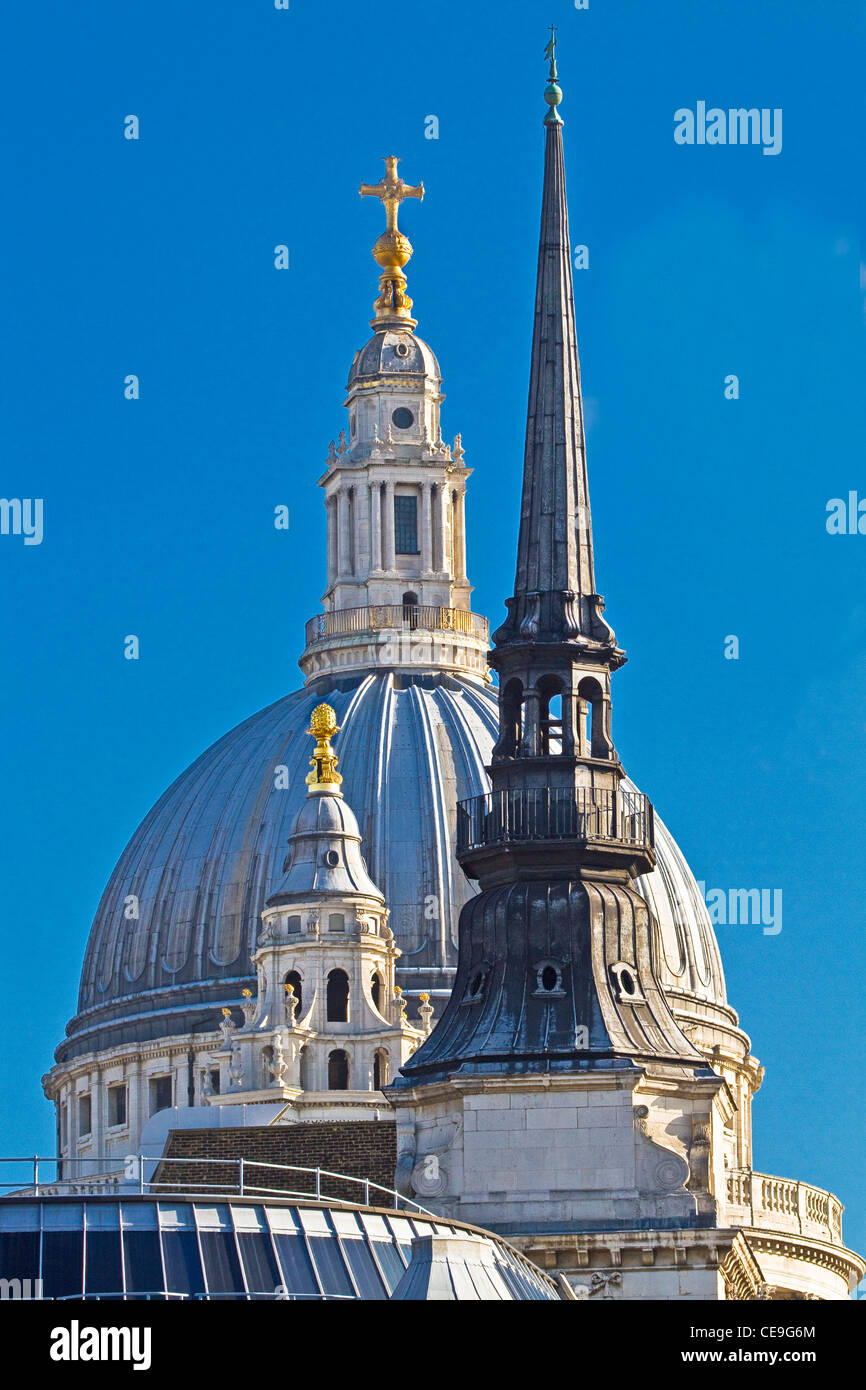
pixel 392 250
pixel 324 776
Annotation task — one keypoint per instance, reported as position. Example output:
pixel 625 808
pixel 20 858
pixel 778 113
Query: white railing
pixel 131 1178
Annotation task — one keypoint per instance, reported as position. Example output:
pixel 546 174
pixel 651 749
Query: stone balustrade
pixel 782 1205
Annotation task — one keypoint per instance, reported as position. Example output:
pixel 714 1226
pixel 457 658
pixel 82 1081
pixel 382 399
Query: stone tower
pixel 328 1024
pixel 397 591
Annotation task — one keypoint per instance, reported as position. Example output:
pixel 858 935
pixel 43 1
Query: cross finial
pixel 391 190
pixel 550 52
pixel 392 250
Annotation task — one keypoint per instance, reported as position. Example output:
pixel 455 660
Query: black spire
pixel 554 586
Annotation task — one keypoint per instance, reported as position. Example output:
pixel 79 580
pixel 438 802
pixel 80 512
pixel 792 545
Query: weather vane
pixel 552 92
pixel 550 52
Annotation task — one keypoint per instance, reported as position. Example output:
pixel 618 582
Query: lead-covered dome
pixel 394 352
pixel 211 851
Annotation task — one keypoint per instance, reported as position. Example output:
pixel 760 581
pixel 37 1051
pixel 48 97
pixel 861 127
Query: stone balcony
pixel 782 1206
pixel 414 636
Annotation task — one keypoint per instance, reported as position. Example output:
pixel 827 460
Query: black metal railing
pixel 559 813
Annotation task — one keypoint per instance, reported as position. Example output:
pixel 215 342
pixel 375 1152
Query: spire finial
pixel 552 92
pixel 392 250
pixel 324 776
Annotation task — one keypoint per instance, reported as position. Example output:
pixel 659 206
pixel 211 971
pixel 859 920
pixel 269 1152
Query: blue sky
pixel 155 257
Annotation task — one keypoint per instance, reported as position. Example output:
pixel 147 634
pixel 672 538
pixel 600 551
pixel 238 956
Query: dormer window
pixel 476 985
pixel 548 980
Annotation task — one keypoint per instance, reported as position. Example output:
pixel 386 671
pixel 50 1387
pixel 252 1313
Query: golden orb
pixel 392 249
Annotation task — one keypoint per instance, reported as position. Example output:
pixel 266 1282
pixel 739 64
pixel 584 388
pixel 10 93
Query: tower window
pixel 410 609
pixel 380 1069
pixel 338 1071
pixel 160 1093
pixel 294 979
pixel 336 921
pixel 376 992
pixel 406 525
pixel 338 997
pixel 403 418
pixel 84 1121
pixel 293 925
pixel 116 1105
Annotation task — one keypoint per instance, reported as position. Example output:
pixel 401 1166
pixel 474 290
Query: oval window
pixel 548 978
pixel 403 418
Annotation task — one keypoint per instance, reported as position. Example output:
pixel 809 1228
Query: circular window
pixel 401 349
pixel 354 427
pixel 332 858
pixel 403 418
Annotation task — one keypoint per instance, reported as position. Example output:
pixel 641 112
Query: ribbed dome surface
pixel 211 851
pixel 395 352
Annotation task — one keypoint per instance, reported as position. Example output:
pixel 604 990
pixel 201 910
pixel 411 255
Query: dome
pixel 394 352
pixel 211 851
pixel 325 853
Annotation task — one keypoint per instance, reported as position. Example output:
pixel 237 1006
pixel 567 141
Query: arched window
pixel 510 719
pixel 294 979
pixel 376 987
pixel 338 1071
pixel 593 740
pixel 336 921
pixel 410 609
pixel 306 1069
pixel 380 1069
pixel 267 1059
pixel 550 715
pixel 338 997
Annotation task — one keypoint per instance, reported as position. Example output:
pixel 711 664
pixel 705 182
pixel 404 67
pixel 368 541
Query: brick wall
pixel 359 1148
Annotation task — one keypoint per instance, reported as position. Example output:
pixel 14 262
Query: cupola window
pixel 294 979
pixel 338 1071
pixel 338 997
pixel 406 525
pixel 403 418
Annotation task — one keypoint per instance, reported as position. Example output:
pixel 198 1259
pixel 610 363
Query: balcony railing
pixel 781 1204
pixel 560 813
pixel 386 617
pixel 230 1177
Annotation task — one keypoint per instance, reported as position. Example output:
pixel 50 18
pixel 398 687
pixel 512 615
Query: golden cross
pixel 391 190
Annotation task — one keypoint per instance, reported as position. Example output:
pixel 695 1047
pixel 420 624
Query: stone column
pixel 332 538
pixel 442 529
pixel 375 526
pixel 531 712
pixel 389 557
pixel 460 535
pixel 98 1104
pixel 342 532
pixel 426 528
pixel 136 1102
